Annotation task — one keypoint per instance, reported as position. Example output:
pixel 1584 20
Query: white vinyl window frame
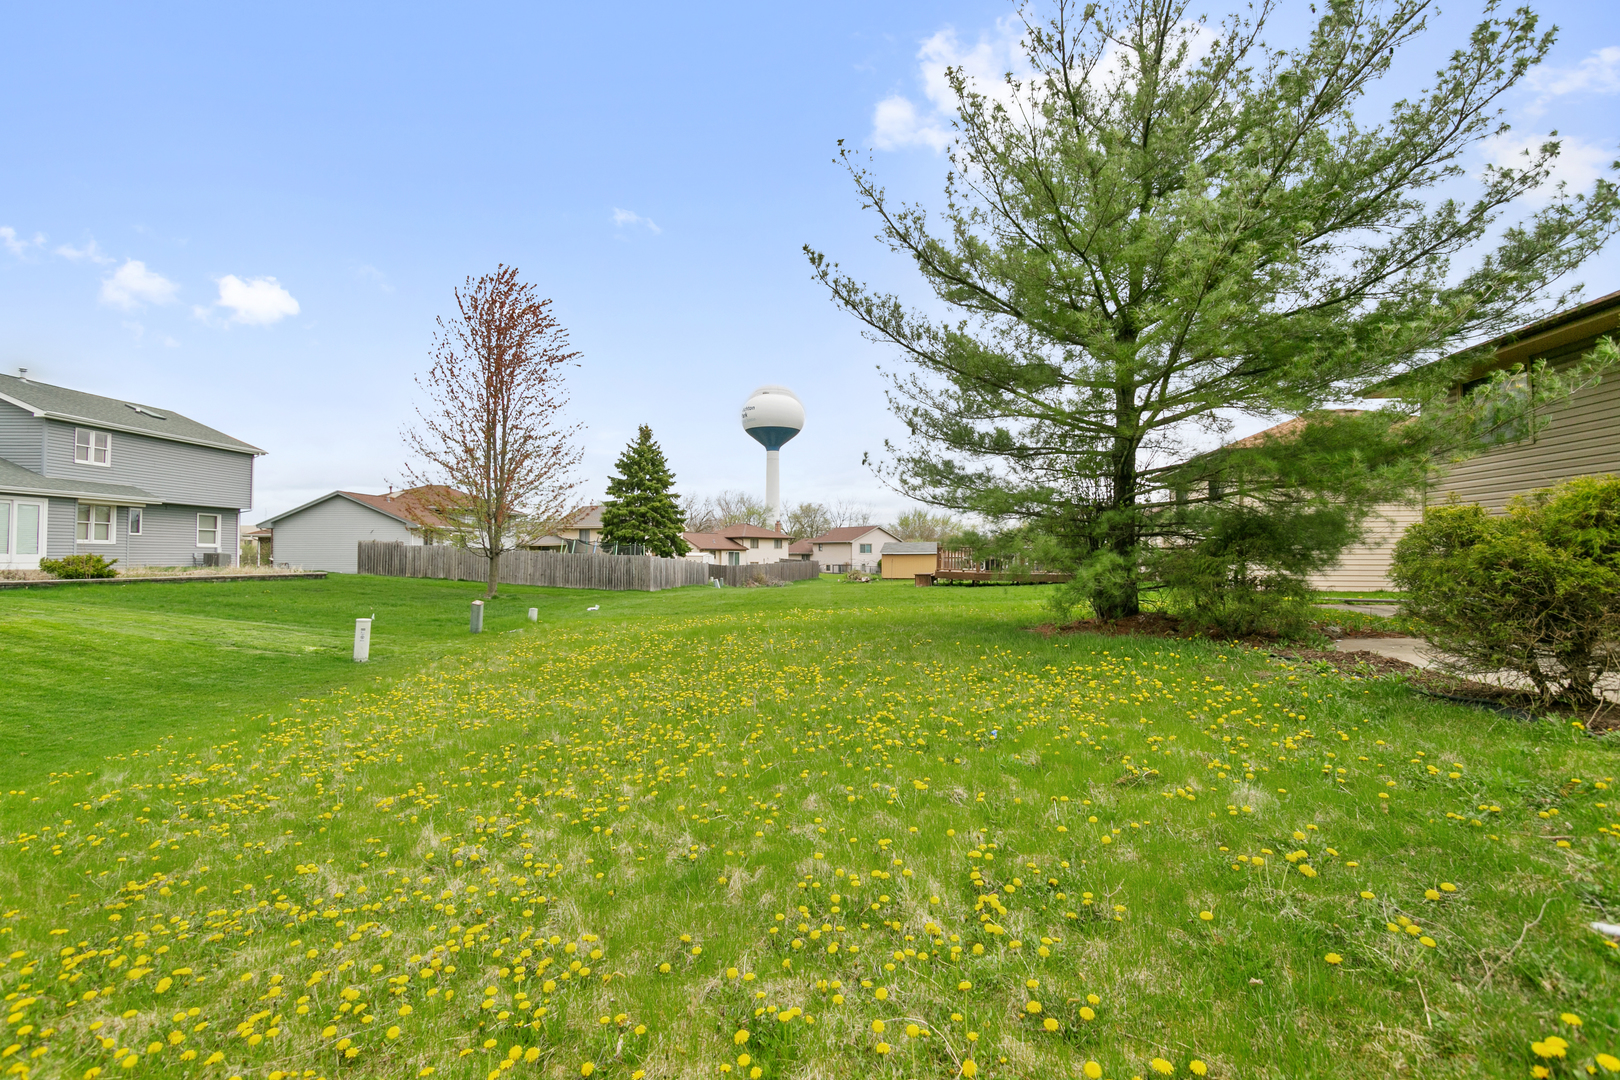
pixel 92 447
pixel 97 523
pixel 866 549
pixel 210 531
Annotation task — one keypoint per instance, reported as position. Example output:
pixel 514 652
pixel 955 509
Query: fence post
pixel 477 624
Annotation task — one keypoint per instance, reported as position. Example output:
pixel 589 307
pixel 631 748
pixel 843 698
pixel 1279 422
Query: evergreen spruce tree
pixel 641 508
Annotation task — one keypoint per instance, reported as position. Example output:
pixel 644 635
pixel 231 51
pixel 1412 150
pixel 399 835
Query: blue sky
pixel 252 214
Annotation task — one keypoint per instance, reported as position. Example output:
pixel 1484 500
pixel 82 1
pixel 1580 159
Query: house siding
pixel 326 536
pixel 1579 440
pixel 22 437
pixel 64 515
pixel 1364 567
pixel 174 472
pixel 168 535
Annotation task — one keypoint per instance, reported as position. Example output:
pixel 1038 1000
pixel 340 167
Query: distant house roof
pixel 1283 431
pixel 20 481
pixel 703 541
pixel 801 547
pixel 751 531
pixel 849 533
pixel 912 547
pixel 418 506
pixel 586 517
pixel 75 406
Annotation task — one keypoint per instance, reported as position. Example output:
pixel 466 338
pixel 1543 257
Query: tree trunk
pixel 494 573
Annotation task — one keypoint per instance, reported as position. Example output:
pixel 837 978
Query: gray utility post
pixel 362 640
pixel 478 617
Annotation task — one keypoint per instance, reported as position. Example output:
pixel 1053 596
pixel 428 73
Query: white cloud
pixel 897 122
pixel 622 218
pixel 1579 163
pixel 257 301
pixel 132 285
pixel 90 251
pixel 17 247
pixel 1599 73
pixel 367 272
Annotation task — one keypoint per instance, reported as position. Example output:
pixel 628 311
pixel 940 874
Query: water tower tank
pixel 772 415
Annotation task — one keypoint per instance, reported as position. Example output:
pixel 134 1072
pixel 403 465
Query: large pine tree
pixel 641 508
pixel 1163 225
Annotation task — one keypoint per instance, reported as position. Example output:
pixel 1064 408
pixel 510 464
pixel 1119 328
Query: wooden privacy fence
pixel 644 573
pixel 786 570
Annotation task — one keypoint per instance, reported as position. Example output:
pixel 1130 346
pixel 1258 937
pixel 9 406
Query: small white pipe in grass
pixel 477 624
pixel 362 640
pixel 534 614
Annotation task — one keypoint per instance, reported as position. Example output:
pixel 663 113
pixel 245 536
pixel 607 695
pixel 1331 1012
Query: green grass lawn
pixel 817 831
pixel 99 669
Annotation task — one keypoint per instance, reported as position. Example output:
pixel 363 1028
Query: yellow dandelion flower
pixel 1159 1065
pixel 1333 958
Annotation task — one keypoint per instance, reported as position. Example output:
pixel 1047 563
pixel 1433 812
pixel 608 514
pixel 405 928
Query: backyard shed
pixel 907 559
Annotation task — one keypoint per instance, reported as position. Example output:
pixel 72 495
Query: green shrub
pixel 1246 570
pixel 1535 591
pixel 79 566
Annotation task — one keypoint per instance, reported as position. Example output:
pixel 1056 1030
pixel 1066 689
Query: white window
pixel 753 541
pixel 776 544
pixel 208 530
pixel 92 447
pixel 95 524
pixel 866 549
pixel 134 527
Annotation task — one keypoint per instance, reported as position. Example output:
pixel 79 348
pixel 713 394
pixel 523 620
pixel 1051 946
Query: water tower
pixel 773 415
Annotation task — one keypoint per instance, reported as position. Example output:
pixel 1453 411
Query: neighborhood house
pixel 842 551
pixel 324 533
pixel 83 474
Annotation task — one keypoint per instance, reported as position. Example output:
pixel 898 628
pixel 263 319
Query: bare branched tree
pixel 493 429
pixel 847 513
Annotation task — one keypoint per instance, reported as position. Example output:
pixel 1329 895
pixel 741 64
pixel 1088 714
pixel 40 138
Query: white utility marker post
pixel 534 614
pixel 362 640
pixel 477 625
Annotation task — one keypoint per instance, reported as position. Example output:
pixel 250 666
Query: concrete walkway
pixel 1418 652
pixel 1410 649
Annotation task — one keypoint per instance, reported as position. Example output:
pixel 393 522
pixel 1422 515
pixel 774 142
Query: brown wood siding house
pixel 1580 438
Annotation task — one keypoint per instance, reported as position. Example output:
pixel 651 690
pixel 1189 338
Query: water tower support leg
pixel 773 483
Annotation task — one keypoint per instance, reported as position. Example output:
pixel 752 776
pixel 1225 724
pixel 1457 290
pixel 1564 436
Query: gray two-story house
pixel 80 473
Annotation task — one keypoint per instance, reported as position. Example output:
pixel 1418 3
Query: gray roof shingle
pixel 60 403
pixel 20 481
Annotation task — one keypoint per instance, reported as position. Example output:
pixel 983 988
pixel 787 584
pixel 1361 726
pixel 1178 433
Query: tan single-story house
pixel 903 559
pixel 856 547
pixel 1580 438
pixel 713 548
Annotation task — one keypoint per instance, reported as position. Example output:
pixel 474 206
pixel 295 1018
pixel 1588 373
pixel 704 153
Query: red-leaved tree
pixel 493 428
